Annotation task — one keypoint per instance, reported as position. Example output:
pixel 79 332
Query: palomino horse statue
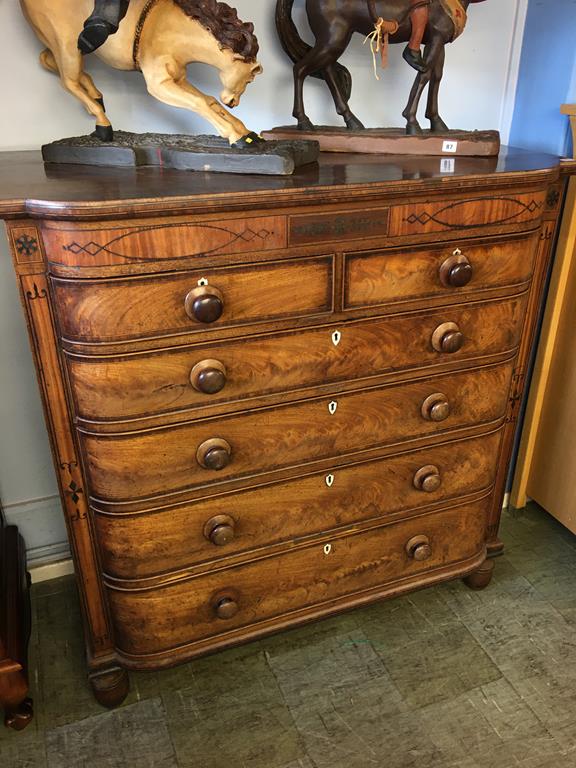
pixel 333 22
pixel 158 37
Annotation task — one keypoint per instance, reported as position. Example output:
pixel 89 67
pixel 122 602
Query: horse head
pixel 236 73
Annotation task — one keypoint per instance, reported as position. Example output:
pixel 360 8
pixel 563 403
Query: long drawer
pixel 151 543
pixel 133 386
pixel 137 465
pixel 96 311
pixel 322 574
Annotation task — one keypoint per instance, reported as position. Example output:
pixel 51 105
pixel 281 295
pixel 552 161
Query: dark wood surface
pixel 27 186
pixel 255 387
pixel 14 628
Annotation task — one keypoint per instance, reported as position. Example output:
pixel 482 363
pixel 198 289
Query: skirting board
pixel 49 571
pixel 41 523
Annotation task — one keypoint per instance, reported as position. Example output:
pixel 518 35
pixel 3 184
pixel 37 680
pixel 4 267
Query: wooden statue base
pixel 394 141
pixel 186 153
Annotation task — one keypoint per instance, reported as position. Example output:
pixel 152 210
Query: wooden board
pixel 394 141
pixel 547 452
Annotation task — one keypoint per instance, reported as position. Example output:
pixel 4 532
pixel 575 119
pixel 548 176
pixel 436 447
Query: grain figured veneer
pixel 273 399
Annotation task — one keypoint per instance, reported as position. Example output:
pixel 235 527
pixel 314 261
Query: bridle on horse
pixel 138 33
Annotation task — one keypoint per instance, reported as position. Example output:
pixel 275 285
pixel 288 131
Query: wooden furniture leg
pixel 481 577
pixel 110 686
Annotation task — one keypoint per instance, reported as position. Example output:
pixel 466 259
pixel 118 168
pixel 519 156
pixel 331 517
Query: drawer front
pixel 138 308
pixel 461 214
pixel 83 245
pixel 282 585
pixel 391 277
pixel 149 544
pixel 139 465
pixel 148 384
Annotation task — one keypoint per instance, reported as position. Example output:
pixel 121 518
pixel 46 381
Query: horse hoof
pixel 413 130
pixel 104 133
pixel 353 124
pixel 249 141
pixel 306 125
pixel 438 126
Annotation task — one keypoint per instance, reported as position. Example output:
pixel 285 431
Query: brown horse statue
pixel 333 22
pixel 159 38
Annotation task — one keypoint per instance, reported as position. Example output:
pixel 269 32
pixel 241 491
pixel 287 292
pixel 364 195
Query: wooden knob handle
pixel 208 377
pixel 436 407
pixel 214 454
pixel 428 479
pixel 220 530
pixel 418 548
pixel 226 608
pixel 204 304
pixel 448 338
pixel 456 271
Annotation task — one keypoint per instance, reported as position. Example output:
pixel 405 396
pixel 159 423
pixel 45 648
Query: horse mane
pixel 223 22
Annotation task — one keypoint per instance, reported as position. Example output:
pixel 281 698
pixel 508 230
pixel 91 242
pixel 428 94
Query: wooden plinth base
pixel 278 157
pixel 394 141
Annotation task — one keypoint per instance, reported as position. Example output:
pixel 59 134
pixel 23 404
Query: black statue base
pixel 394 141
pixel 186 153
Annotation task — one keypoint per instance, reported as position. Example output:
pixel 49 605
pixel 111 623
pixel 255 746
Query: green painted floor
pixel 443 678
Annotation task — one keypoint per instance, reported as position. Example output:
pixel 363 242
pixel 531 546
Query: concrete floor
pixel 443 678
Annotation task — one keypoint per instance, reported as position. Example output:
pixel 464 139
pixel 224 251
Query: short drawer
pixel 135 386
pixel 152 543
pixel 138 465
pixel 393 276
pixel 505 211
pixel 147 307
pixel 342 573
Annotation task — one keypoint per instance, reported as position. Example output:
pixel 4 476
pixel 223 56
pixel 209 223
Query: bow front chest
pixel 270 400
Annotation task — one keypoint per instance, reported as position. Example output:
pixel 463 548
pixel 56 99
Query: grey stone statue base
pixel 181 152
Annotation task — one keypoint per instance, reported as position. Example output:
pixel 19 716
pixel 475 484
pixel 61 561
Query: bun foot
pixel 481 577
pixel 110 686
pixel 19 718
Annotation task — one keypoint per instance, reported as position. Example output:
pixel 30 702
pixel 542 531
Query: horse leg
pixel 49 63
pixel 88 84
pixel 322 56
pixel 68 65
pixel 422 79
pixel 342 106
pixel 180 93
pixel 436 123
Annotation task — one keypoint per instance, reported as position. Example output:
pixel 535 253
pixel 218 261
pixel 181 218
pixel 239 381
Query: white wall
pixel 477 91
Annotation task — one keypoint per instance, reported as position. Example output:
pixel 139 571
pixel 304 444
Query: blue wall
pixel 547 77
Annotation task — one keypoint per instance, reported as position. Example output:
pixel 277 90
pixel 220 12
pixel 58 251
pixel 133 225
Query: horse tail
pixel 296 48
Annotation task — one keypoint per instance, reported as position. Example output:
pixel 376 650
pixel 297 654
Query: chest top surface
pixel 28 187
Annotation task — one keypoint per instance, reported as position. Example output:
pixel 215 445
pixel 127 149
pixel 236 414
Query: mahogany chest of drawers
pixel 270 400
